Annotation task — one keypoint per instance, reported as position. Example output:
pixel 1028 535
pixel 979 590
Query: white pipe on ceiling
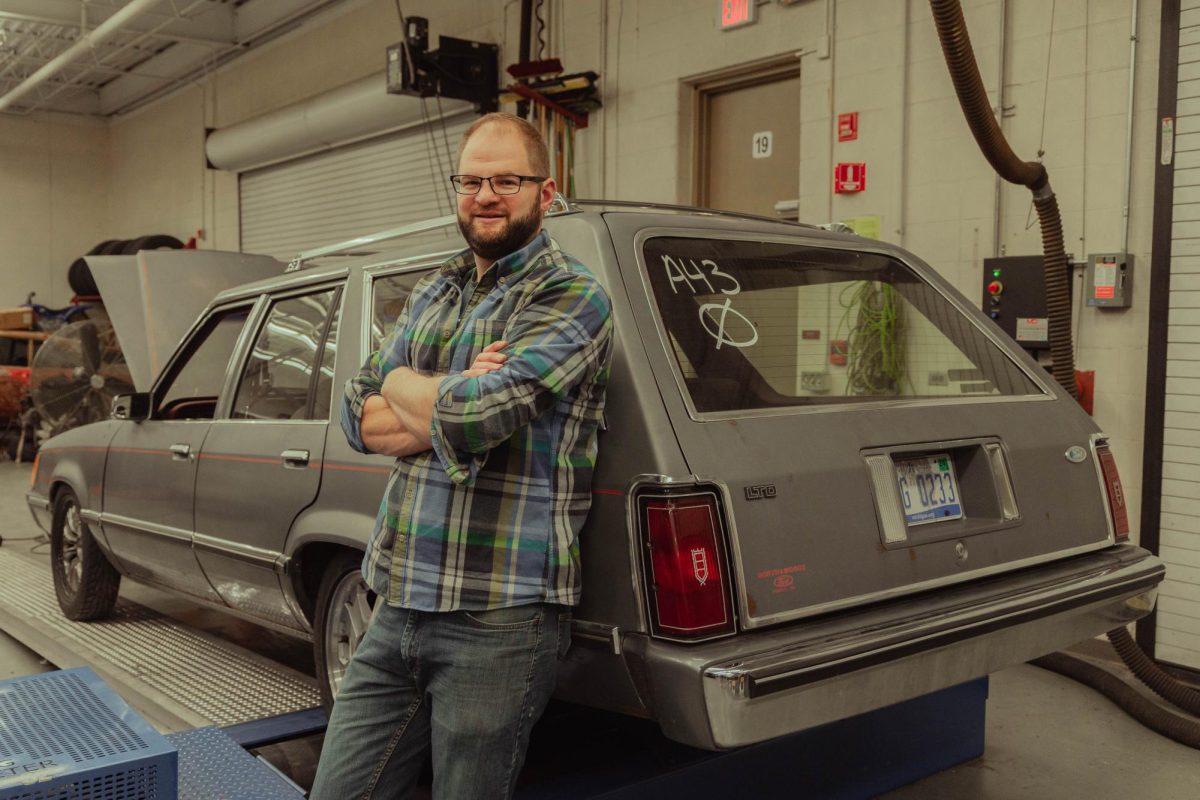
pixel 83 46
pixel 340 116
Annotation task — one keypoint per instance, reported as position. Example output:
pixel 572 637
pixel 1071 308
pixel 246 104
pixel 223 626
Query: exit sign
pixel 736 13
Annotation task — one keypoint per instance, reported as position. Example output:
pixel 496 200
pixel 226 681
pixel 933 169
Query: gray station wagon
pixel 827 483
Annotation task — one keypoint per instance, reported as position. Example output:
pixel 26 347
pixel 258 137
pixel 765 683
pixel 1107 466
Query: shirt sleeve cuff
pixel 352 411
pixel 461 466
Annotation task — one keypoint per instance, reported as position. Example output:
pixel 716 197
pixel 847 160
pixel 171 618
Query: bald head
pixel 535 145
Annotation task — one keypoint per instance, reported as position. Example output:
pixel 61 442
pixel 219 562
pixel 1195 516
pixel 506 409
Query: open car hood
pixel 154 297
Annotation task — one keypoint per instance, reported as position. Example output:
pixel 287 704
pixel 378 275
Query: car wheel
pixel 344 605
pixel 84 580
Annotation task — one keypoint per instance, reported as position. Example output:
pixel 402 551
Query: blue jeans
pixel 467 684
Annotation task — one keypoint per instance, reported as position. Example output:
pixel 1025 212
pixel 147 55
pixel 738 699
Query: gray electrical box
pixel 1109 280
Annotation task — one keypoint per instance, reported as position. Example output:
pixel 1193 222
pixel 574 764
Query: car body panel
pixel 241 560
pixel 148 502
pixel 153 296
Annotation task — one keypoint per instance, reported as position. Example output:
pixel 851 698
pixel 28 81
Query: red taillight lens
pixel 687 565
pixel 1116 495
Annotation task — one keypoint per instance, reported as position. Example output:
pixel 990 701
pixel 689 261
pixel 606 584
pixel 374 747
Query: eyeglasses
pixel 501 184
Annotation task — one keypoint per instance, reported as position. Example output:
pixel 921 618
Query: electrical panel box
pixel 1109 281
pixel 1014 295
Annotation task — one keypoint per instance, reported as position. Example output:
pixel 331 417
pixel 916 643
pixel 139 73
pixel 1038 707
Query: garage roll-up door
pixel 351 191
pixel 1177 634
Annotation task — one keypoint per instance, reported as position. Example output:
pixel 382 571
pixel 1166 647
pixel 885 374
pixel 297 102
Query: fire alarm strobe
pixel 849 177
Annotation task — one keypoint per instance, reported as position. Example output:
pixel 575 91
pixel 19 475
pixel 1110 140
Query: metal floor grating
pixel 176 676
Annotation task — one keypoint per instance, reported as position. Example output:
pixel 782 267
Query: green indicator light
pixel 995 273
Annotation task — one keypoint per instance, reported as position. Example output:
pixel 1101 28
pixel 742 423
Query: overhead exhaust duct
pixel 101 33
pixel 349 113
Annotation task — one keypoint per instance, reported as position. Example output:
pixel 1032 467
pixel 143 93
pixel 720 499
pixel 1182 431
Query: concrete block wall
pixel 1065 91
pixel 53 178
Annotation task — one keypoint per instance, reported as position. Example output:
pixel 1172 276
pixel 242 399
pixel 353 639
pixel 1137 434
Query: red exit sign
pixel 735 13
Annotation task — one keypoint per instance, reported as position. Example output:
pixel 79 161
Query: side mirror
pixel 131 406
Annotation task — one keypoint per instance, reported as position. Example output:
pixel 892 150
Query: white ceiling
pixel 155 52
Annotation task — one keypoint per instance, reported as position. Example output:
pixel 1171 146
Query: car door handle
pixel 294 458
pixel 181 452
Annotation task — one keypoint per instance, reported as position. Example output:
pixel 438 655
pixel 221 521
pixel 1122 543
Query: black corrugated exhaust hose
pixel 1158 719
pixel 1058 291
pixel 964 72
pixel 1160 681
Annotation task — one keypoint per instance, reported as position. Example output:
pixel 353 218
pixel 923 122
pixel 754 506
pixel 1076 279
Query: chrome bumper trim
pixel 825 678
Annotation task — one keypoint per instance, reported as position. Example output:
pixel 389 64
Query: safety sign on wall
pixel 849 177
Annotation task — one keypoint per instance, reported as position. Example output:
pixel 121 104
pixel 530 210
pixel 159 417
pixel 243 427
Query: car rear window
pixel 764 324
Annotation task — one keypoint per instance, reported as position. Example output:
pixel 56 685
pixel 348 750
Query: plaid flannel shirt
pixel 490 516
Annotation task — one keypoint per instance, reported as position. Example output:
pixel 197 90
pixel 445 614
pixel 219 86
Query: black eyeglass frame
pixel 532 178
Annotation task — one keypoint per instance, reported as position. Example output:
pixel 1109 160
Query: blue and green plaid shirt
pixel 490 517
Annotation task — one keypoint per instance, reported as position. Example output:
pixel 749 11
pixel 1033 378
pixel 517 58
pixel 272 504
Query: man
pixel 489 393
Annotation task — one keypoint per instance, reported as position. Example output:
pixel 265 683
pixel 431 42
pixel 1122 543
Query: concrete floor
pixel 1046 736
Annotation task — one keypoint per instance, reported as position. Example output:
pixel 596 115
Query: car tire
pixel 84 581
pixel 344 604
pixel 157 241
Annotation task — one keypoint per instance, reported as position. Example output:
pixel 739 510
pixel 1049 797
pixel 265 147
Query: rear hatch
pixel 868 433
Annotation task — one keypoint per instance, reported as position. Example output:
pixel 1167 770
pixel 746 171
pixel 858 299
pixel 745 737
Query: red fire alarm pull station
pixel 849 177
pixel 839 349
pixel 848 126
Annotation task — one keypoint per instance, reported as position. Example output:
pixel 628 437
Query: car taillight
pixel 687 564
pixel 1116 495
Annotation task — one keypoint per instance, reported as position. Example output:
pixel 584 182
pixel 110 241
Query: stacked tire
pixel 79 275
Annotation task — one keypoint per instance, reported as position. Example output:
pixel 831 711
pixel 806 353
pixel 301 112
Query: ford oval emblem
pixel 1076 455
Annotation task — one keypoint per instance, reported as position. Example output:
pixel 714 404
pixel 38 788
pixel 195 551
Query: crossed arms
pixel 558 344
pixel 396 422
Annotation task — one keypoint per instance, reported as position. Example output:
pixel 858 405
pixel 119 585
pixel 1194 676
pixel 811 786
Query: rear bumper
pixel 759 686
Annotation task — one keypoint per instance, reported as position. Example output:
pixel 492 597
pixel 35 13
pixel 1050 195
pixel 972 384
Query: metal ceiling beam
pixel 181 60
pixel 258 21
pixel 101 68
pixel 215 25
pixel 83 46
pixel 256 18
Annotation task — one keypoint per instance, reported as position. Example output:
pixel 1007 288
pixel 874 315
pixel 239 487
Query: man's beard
pixel 514 235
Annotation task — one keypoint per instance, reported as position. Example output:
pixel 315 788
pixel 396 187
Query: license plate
pixel 928 489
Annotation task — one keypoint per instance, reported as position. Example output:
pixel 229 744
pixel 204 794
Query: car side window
pixel 389 294
pixel 193 390
pixel 323 397
pixel 279 372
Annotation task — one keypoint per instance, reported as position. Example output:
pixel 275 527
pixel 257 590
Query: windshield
pixel 764 324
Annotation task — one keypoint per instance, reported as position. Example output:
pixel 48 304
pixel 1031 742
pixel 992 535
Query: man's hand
pixel 383 432
pixel 489 360
pixel 396 423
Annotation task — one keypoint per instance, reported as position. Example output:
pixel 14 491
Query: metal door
pixel 261 462
pixel 749 142
pixel 150 476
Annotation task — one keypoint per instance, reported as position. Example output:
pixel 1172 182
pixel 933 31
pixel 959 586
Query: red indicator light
pixel 1116 493
pixel 688 565
pixel 995 287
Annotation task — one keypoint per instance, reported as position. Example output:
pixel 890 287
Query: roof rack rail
pixel 350 247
